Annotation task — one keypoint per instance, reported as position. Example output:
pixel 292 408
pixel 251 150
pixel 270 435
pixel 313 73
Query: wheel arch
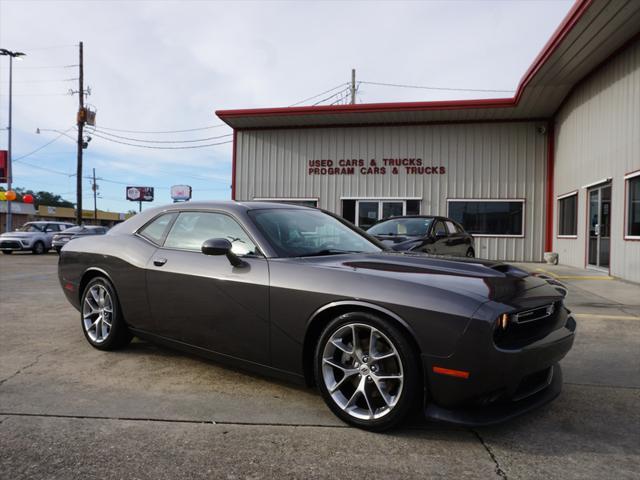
pixel 323 315
pixel 88 275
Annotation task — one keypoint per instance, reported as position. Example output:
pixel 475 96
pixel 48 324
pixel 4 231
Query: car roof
pixel 234 207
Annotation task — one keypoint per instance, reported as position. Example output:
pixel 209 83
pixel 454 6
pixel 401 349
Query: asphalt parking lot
pixel 70 411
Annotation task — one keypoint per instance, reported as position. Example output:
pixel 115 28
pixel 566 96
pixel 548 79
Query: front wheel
pixel 7 252
pixel 367 371
pixel 471 253
pixel 102 322
pixel 38 248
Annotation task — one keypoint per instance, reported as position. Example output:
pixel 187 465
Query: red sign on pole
pixel 4 171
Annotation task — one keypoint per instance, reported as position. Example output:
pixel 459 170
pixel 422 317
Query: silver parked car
pixel 62 238
pixel 33 236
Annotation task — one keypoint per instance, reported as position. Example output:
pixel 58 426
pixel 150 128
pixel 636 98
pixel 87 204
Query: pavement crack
pixel 499 471
pixel 26 367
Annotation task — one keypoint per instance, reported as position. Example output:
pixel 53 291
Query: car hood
pixel 482 279
pixel 19 234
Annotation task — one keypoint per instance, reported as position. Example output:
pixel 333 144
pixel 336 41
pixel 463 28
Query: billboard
pixel 140 194
pixel 180 193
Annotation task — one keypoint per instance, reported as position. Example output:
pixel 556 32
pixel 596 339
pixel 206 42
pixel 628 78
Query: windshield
pixel 301 233
pixel 411 227
pixel 74 230
pixel 31 227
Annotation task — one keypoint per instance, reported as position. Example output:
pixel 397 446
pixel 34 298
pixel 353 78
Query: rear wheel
pixel 38 248
pixel 102 322
pixel 367 371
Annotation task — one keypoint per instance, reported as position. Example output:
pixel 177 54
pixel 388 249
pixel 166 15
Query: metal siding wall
pixel 598 136
pixel 490 160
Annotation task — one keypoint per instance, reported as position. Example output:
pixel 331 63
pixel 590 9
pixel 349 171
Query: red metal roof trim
pixel 576 12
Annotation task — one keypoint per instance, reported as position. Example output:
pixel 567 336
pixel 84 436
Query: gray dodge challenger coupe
pixel 300 294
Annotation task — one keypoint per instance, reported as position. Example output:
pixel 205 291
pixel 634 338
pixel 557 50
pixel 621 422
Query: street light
pixel 85 140
pixel 11 55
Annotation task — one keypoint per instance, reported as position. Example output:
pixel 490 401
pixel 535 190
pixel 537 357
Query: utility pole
pixel 94 187
pixel 11 56
pixel 353 86
pixel 81 118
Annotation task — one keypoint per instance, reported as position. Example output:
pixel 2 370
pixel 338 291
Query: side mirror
pixel 221 246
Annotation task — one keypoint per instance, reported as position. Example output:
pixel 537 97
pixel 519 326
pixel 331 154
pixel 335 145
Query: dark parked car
pixel 300 294
pixel 61 239
pixel 428 234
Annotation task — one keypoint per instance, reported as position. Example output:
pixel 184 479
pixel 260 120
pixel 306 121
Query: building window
pixel 303 202
pixel 491 218
pixel 568 215
pixel 366 212
pixel 632 230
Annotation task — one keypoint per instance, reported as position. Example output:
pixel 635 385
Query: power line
pixel 50 170
pixel 50 47
pixel 161 141
pixel 218 125
pixel 160 147
pixel 45 81
pixel 436 88
pixel 342 92
pixel 42 67
pixel 41 147
pixel 319 94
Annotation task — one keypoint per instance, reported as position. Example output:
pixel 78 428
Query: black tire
pixel 119 335
pixel 471 253
pixel 411 386
pixel 38 248
pixel 7 252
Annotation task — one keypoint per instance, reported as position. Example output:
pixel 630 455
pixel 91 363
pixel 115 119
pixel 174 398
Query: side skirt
pixel 221 358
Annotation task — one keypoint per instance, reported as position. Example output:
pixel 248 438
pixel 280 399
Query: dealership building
pixel 555 168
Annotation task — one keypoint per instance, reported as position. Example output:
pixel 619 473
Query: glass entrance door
pixel 599 227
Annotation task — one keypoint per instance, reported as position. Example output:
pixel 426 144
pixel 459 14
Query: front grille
pixel 527 326
pixel 533 383
pixel 10 245
pixel 533 315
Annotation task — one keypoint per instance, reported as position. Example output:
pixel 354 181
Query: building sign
pixel 384 166
pixel 3 166
pixel 140 194
pixel 180 193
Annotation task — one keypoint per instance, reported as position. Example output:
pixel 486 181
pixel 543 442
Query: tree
pixel 42 198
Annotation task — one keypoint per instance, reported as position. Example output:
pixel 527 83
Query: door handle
pixel 158 262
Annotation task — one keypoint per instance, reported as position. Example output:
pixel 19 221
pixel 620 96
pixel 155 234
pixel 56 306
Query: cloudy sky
pixel 156 66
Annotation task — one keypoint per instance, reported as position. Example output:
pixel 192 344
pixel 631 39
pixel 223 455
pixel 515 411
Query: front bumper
pixel 13 245
pixel 501 383
pixel 481 416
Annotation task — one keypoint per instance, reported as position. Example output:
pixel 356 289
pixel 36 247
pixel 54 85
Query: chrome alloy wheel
pixel 97 313
pixel 362 371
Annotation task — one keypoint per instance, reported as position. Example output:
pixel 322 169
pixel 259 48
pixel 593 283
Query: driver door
pixel 203 300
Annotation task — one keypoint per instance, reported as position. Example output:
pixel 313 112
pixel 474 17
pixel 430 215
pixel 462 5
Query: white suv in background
pixel 34 236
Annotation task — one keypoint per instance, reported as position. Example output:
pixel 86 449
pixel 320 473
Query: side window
pixel 451 227
pixel 53 227
pixel 157 229
pixel 439 228
pixel 191 229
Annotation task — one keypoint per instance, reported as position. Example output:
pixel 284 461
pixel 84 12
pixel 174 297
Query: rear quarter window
pixel 156 230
